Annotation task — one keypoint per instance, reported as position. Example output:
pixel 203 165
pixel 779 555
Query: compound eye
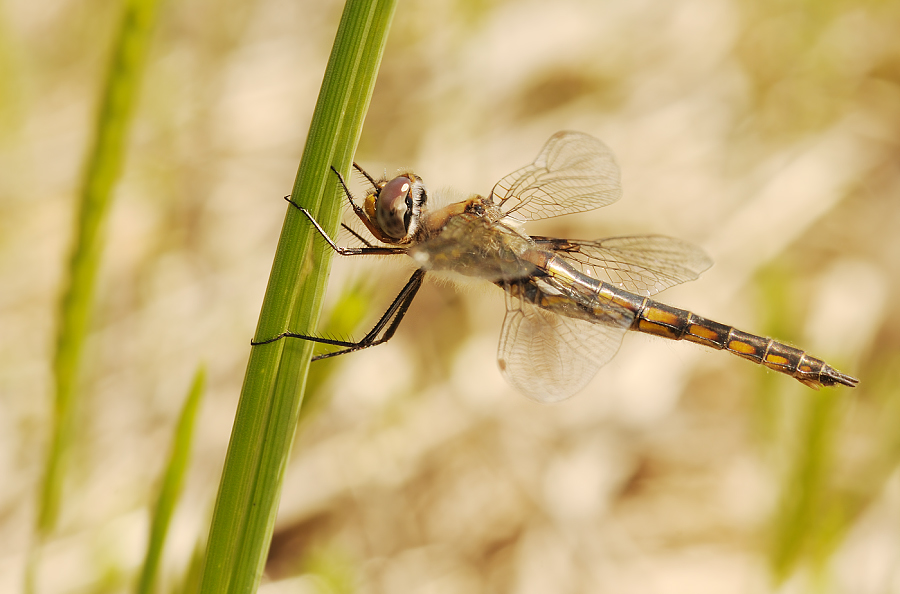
pixel 393 209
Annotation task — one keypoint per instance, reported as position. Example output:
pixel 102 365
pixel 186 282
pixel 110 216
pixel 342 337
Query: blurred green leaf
pixel 343 320
pixel 334 572
pixel 172 483
pixel 802 516
pixel 803 428
pixel 102 171
pixel 191 581
pixel 102 168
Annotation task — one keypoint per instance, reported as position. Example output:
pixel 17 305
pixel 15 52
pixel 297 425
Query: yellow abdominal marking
pixel 661 317
pixel 776 359
pixel 701 332
pixel 658 329
pixel 742 347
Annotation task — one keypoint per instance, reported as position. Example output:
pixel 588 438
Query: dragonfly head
pixel 395 207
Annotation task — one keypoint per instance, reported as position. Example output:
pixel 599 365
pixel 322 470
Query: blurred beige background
pixel 767 132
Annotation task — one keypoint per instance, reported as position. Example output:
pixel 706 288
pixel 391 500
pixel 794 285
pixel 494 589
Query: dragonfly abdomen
pixel 670 322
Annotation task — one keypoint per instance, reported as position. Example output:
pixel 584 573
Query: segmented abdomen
pixel 678 324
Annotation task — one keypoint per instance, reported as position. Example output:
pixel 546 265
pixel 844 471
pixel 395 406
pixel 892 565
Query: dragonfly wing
pixel 549 357
pixel 644 264
pixel 574 172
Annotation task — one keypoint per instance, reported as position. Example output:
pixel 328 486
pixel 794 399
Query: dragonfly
pixel 569 303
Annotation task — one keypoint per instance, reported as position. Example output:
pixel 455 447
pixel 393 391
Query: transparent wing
pixel 549 357
pixel 644 264
pixel 574 172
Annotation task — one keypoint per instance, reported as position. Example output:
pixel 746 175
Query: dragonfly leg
pixel 357 210
pixel 390 320
pixel 362 239
pixel 365 174
pixel 369 250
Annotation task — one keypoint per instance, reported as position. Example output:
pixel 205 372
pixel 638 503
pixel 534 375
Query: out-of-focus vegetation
pixel 171 485
pixel 102 168
pixel 767 132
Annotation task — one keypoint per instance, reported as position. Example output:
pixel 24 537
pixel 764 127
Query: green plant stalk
pixel 807 517
pixel 104 163
pixel 803 506
pixel 190 583
pixel 172 483
pixel 269 406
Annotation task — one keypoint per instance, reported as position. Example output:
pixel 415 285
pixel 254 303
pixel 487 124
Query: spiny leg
pixel 346 251
pixel 390 319
pixel 357 210
pixel 397 309
pixel 369 249
pixel 366 174
pixel 352 232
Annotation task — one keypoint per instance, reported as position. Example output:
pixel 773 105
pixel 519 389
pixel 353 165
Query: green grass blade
pixel 102 169
pixel 273 385
pixel 172 482
pixel 190 583
pixel 800 519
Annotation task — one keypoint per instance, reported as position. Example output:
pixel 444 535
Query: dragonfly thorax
pixel 462 239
